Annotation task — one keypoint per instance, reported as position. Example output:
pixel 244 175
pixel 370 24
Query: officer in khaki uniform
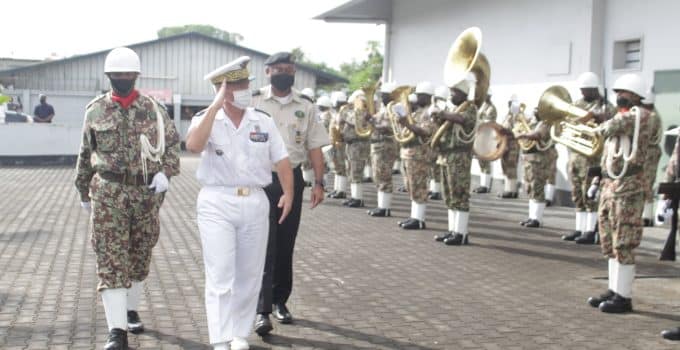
pixel 128 151
pixel 358 149
pixel 487 113
pixel 510 158
pixel 338 152
pixel 302 134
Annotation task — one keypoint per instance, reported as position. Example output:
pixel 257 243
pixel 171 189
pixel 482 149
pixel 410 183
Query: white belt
pixel 237 191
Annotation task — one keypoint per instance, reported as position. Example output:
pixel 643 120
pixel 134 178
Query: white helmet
pixel 308 92
pixel 425 87
pixel 588 80
pixel 388 87
pixel 631 82
pixel 122 59
pixel 650 97
pixel 354 96
pixel 412 98
pixel 442 92
pixel 463 85
pixel 324 101
pixel 338 96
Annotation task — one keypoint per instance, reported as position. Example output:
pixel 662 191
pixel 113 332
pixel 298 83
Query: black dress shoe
pixel 135 325
pixel 508 195
pixel 338 195
pixel 548 203
pixel 332 194
pixel 647 222
pixel 525 222
pixel 481 189
pixel 457 239
pixel 282 314
pixel 367 179
pixel 572 236
pixel 587 238
pixel 263 325
pixel 395 171
pixel 617 305
pixel 381 212
pixel 117 340
pixel 414 224
pixel 671 334
pixel 533 223
pixel 596 301
pixel 443 237
pixel 354 203
pixel 435 196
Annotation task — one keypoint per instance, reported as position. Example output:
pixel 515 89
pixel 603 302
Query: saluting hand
pixel 285 202
pixel 218 101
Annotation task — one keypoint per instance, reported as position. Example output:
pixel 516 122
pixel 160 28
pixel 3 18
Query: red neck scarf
pixel 125 101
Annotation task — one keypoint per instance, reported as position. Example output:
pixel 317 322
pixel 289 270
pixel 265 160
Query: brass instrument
pixel 567 128
pixel 400 95
pixel 490 143
pixel 521 126
pixel 362 128
pixel 465 57
pixel 334 130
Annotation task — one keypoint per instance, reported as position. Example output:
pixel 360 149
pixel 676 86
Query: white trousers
pixel 234 233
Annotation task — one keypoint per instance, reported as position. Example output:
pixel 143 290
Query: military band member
pixel 586 209
pixel 384 151
pixel 653 157
pixel 552 175
pixel 487 113
pixel 338 152
pixel 129 150
pixel 510 158
pixel 415 156
pixel 412 99
pixel 455 159
pixel 622 186
pixel 358 150
pixel 435 186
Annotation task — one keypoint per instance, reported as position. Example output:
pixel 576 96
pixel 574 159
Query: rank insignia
pixel 257 136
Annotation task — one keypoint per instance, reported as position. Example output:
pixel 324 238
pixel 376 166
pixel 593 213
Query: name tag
pixel 259 136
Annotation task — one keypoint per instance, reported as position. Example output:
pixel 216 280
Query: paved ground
pixel 360 283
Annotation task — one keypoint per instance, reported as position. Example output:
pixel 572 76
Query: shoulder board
pixel 200 113
pixel 263 112
pixel 94 100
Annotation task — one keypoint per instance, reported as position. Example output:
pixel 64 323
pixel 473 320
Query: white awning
pixel 360 11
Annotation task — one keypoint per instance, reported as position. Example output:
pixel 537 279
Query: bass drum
pixel 490 143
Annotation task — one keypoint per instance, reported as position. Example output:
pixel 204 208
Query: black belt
pixel 126 178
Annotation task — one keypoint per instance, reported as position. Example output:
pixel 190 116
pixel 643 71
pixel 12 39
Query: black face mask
pixel 623 102
pixel 386 100
pixel 122 87
pixel 282 82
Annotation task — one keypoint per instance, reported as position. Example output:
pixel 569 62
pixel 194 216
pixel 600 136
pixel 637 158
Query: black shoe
pixel 332 194
pixel 435 196
pixel 338 195
pixel 395 171
pixel 308 184
pixel 117 340
pixel 525 222
pixel 367 179
pixel 548 203
pixel 135 325
pixel 405 221
pixel 354 203
pixel 508 195
pixel 282 314
pixel 587 238
pixel 671 334
pixel 572 236
pixel 263 325
pixel 381 212
pixel 617 305
pixel 533 223
pixel 647 222
pixel 596 301
pixel 457 239
pixel 402 189
pixel 443 237
pixel 414 224
pixel 481 189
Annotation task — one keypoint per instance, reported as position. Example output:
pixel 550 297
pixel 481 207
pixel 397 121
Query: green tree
pixel 202 29
pixel 301 57
pixel 367 71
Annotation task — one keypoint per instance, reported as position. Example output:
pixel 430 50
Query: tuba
pixel 567 128
pixel 465 57
pixel 334 131
pixel 362 128
pixel 400 95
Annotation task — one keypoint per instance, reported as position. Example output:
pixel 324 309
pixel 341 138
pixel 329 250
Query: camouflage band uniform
pixel 510 158
pixel 455 160
pixel 358 149
pixel 536 160
pixel 124 223
pixel 622 200
pixel 653 154
pixel 384 151
pixel 415 158
pixel 487 113
pixel 338 153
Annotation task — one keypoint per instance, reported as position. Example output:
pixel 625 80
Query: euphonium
pixel 521 126
pixel 361 106
pixel 555 108
pixel 400 95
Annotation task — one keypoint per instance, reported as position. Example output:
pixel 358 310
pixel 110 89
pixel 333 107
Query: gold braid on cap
pixel 231 76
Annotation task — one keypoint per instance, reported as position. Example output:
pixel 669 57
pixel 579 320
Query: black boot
pixel 572 236
pixel 414 224
pixel 617 305
pixel 404 222
pixel 481 189
pixel 523 223
pixel 338 195
pixel 347 201
pixel 355 203
pixel 435 196
pixel 457 239
pixel 367 179
pixel 548 203
pixel 647 222
pixel 587 238
pixel 332 194
pixel 596 301
pixel 380 212
pixel 135 325
pixel 402 189
pixel 533 223
pixel 671 334
pixel 117 340
pixel 443 237
pixel 508 195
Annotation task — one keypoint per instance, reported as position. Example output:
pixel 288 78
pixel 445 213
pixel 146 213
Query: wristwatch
pixel 321 183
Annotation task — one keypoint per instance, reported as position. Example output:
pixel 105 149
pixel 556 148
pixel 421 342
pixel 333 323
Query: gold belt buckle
pixel 243 191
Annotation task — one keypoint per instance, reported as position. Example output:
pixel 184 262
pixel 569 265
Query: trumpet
pixel 362 128
pixel 400 95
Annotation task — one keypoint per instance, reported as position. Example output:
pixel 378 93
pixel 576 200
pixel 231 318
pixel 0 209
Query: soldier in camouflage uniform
pixel 415 157
pixel 510 158
pixel 552 175
pixel 338 152
pixel 653 157
pixel 129 149
pixel 455 158
pixel 487 113
pixel 586 209
pixel 443 94
pixel 358 151
pixel 384 151
pixel 622 188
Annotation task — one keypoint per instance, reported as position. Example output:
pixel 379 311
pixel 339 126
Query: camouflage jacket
pixel 487 112
pixel 450 140
pixel 381 123
pixel 419 149
pixel 111 140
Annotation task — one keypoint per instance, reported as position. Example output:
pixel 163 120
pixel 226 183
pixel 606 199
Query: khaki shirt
pixel 296 122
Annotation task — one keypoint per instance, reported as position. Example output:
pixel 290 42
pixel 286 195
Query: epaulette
pixel 95 100
pixel 263 112
pixel 201 112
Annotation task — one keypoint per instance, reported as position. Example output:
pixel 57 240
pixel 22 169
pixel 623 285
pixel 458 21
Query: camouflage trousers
pixel 124 228
pixel 510 159
pixel 535 174
pixel 455 172
pixel 651 164
pixel 434 172
pixel 551 154
pixel 415 171
pixel 383 155
pixel 580 182
pixel 485 166
pixel 339 158
pixel 358 154
pixel 620 223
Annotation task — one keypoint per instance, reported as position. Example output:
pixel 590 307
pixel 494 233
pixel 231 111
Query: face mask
pixel 386 100
pixel 622 102
pixel 242 98
pixel 282 82
pixel 122 87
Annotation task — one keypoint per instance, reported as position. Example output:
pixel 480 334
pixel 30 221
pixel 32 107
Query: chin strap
pixel 149 152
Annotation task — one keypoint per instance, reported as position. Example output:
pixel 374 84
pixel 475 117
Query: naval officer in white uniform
pixel 239 147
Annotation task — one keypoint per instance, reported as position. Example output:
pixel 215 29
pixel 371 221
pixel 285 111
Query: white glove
pixel 160 182
pixel 664 211
pixel 434 109
pixel 86 206
pixel 593 191
pixel 399 109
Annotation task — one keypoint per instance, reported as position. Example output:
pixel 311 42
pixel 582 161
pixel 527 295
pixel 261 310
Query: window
pixel 628 54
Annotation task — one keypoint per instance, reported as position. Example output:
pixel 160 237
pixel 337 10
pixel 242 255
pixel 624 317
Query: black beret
pixel 280 57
